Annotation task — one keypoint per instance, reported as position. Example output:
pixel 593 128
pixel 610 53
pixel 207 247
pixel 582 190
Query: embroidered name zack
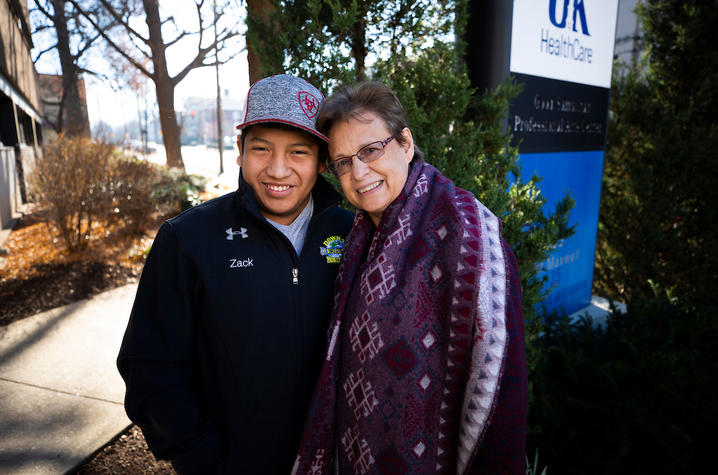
pixel 241 263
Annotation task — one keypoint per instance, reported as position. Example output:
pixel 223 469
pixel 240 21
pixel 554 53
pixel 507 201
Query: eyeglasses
pixel 366 154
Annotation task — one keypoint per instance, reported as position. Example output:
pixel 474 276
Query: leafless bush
pixel 72 180
pixel 82 183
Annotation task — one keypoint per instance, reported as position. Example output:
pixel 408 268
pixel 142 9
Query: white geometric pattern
pixel 419 448
pixel 357 450
pixel 436 273
pixel 365 337
pixel 488 351
pixel 317 463
pixel 401 234
pixel 360 394
pixel 425 381
pixel 382 273
pixel 441 232
pixel 428 340
pixel 422 186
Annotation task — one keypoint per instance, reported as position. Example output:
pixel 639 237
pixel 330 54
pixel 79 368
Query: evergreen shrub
pixel 633 395
pixel 657 224
pixel 174 190
pixel 639 396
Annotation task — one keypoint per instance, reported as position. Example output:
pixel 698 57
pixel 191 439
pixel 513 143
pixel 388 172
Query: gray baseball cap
pixel 285 99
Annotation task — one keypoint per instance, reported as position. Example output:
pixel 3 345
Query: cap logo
pixel 308 103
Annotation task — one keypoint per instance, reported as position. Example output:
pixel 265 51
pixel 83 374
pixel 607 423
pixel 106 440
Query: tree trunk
pixel 359 48
pixel 165 87
pixel 71 117
pixel 165 90
pixel 260 9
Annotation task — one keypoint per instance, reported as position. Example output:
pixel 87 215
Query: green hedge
pixel 635 395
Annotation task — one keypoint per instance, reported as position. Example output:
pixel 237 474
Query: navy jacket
pixel 226 334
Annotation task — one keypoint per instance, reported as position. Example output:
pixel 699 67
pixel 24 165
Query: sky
pixel 117 107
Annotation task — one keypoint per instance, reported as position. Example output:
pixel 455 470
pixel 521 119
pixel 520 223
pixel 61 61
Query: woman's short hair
pixel 350 102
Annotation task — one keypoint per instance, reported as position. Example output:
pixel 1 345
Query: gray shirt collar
pixel 297 230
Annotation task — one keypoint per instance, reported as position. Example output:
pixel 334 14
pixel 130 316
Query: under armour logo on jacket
pixel 242 232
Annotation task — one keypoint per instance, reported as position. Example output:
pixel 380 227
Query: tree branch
pixel 199 23
pixel 83 48
pixel 179 37
pixel 41 28
pixel 139 48
pixel 201 52
pixel 198 60
pixel 227 59
pixel 43 52
pixel 101 76
pixel 42 10
pixel 118 18
pixel 110 42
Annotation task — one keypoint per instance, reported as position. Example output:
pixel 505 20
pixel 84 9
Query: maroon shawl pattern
pixel 418 338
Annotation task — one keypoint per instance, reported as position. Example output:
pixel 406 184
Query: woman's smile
pixel 371 187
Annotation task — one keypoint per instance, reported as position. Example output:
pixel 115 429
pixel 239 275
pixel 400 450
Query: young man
pixel 228 327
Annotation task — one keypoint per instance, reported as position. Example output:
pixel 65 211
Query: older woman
pixel 425 369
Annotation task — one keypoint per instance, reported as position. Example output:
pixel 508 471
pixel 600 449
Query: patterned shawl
pixel 426 323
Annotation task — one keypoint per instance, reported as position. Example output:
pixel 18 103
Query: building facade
pixel 629 38
pixel 199 120
pixel 50 90
pixel 20 119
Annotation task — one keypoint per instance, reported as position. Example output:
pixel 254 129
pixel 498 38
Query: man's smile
pixel 277 188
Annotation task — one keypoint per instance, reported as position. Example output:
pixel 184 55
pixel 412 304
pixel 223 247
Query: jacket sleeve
pixel 503 449
pixel 157 358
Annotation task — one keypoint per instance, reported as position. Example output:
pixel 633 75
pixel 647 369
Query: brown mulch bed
pixel 39 274
pixel 127 455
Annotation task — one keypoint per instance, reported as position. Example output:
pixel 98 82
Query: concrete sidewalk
pixel 60 392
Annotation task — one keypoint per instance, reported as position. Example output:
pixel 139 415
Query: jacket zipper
pixel 295 279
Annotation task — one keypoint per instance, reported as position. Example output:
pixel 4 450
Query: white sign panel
pixel 569 40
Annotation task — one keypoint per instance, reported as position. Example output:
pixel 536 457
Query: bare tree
pixel 152 46
pixel 68 36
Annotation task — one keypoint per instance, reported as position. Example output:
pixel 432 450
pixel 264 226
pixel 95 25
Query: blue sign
pixel 560 128
pixel 570 266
